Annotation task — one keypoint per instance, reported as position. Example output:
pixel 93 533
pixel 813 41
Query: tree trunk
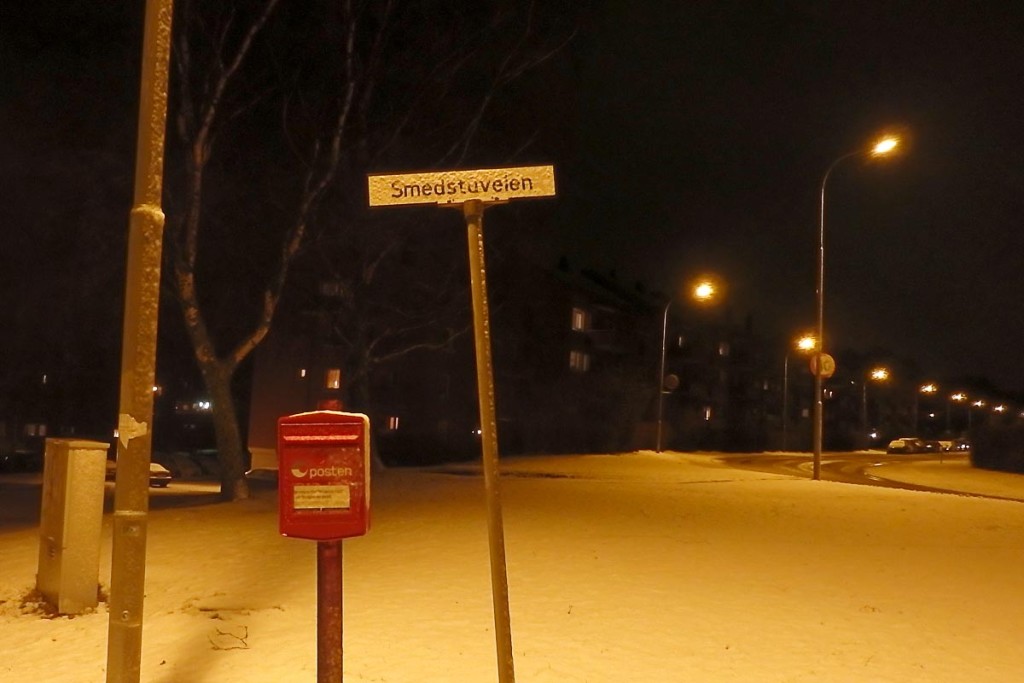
pixel 230 450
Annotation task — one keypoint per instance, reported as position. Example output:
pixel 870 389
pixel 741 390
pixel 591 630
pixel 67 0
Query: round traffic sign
pixel 828 365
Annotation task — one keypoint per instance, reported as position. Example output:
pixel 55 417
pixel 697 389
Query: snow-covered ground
pixel 638 567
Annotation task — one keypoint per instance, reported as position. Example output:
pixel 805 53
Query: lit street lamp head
pixel 704 291
pixel 885 146
pixel 808 342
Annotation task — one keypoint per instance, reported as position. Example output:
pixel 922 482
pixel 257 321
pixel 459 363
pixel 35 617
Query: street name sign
pixel 457 187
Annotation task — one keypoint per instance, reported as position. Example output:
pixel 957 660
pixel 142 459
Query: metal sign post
pixel 474 191
pixel 474 213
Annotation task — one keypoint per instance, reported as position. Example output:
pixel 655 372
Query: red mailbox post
pixel 324 495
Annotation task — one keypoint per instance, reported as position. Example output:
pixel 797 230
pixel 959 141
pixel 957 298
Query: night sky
pixel 694 138
pixel 705 131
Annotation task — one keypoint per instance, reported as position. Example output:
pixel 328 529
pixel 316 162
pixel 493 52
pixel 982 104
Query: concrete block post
pixel 71 523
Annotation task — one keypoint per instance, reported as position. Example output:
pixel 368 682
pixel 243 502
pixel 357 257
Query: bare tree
pixel 351 83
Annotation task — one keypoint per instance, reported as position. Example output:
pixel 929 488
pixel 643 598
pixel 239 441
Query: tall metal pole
pixel 661 374
pixel 820 329
pixel 785 402
pixel 916 412
pixel 865 439
pixel 138 357
pixel 884 146
pixel 473 211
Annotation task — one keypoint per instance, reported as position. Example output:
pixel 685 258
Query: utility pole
pixel 138 357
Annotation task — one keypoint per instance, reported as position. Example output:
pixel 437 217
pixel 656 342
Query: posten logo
pixel 301 470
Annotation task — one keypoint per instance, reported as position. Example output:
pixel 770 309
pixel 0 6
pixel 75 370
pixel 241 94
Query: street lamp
pixel 804 344
pixel 958 397
pixel 876 375
pixel 975 404
pixel 882 147
pixel 929 389
pixel 703 291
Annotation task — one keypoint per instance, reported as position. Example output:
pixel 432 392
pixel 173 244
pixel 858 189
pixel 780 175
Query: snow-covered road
pixel 637 567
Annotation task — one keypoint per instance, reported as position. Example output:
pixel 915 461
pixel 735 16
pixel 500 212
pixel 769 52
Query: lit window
pixel 333 378
pixel 393 423
pixel 580 319
pixel 707 413
pixel 723 348
pixel 302 373
pixel 34 429
pixel 579 361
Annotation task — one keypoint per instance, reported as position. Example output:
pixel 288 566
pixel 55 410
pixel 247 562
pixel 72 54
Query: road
pixel 21 497
pixel 848 468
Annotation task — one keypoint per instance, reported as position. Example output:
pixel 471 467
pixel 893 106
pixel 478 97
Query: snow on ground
pixel 639 567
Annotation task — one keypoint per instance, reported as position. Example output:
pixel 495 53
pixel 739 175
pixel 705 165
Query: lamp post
pixel 881 148
pixel 976 404
pixel 876 375
pixel 703 292
pixel 958 397
pixel 929 389
pixel 804 344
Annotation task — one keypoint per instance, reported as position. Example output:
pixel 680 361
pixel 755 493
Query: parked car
pixel 906 444
pixel 159 475
pixel 21 460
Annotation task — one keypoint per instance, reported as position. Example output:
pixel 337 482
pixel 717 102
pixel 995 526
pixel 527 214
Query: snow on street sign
pixel 456 187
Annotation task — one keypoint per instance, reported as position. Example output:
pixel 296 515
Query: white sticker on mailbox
pixel 322 497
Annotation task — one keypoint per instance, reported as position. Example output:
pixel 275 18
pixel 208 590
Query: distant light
pixel 959 396
pixel 978 404
pixel 999 408
pixel 929 389
pixel 880 374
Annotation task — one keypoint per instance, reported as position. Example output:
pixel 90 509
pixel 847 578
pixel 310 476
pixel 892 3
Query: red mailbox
pixel 324 475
